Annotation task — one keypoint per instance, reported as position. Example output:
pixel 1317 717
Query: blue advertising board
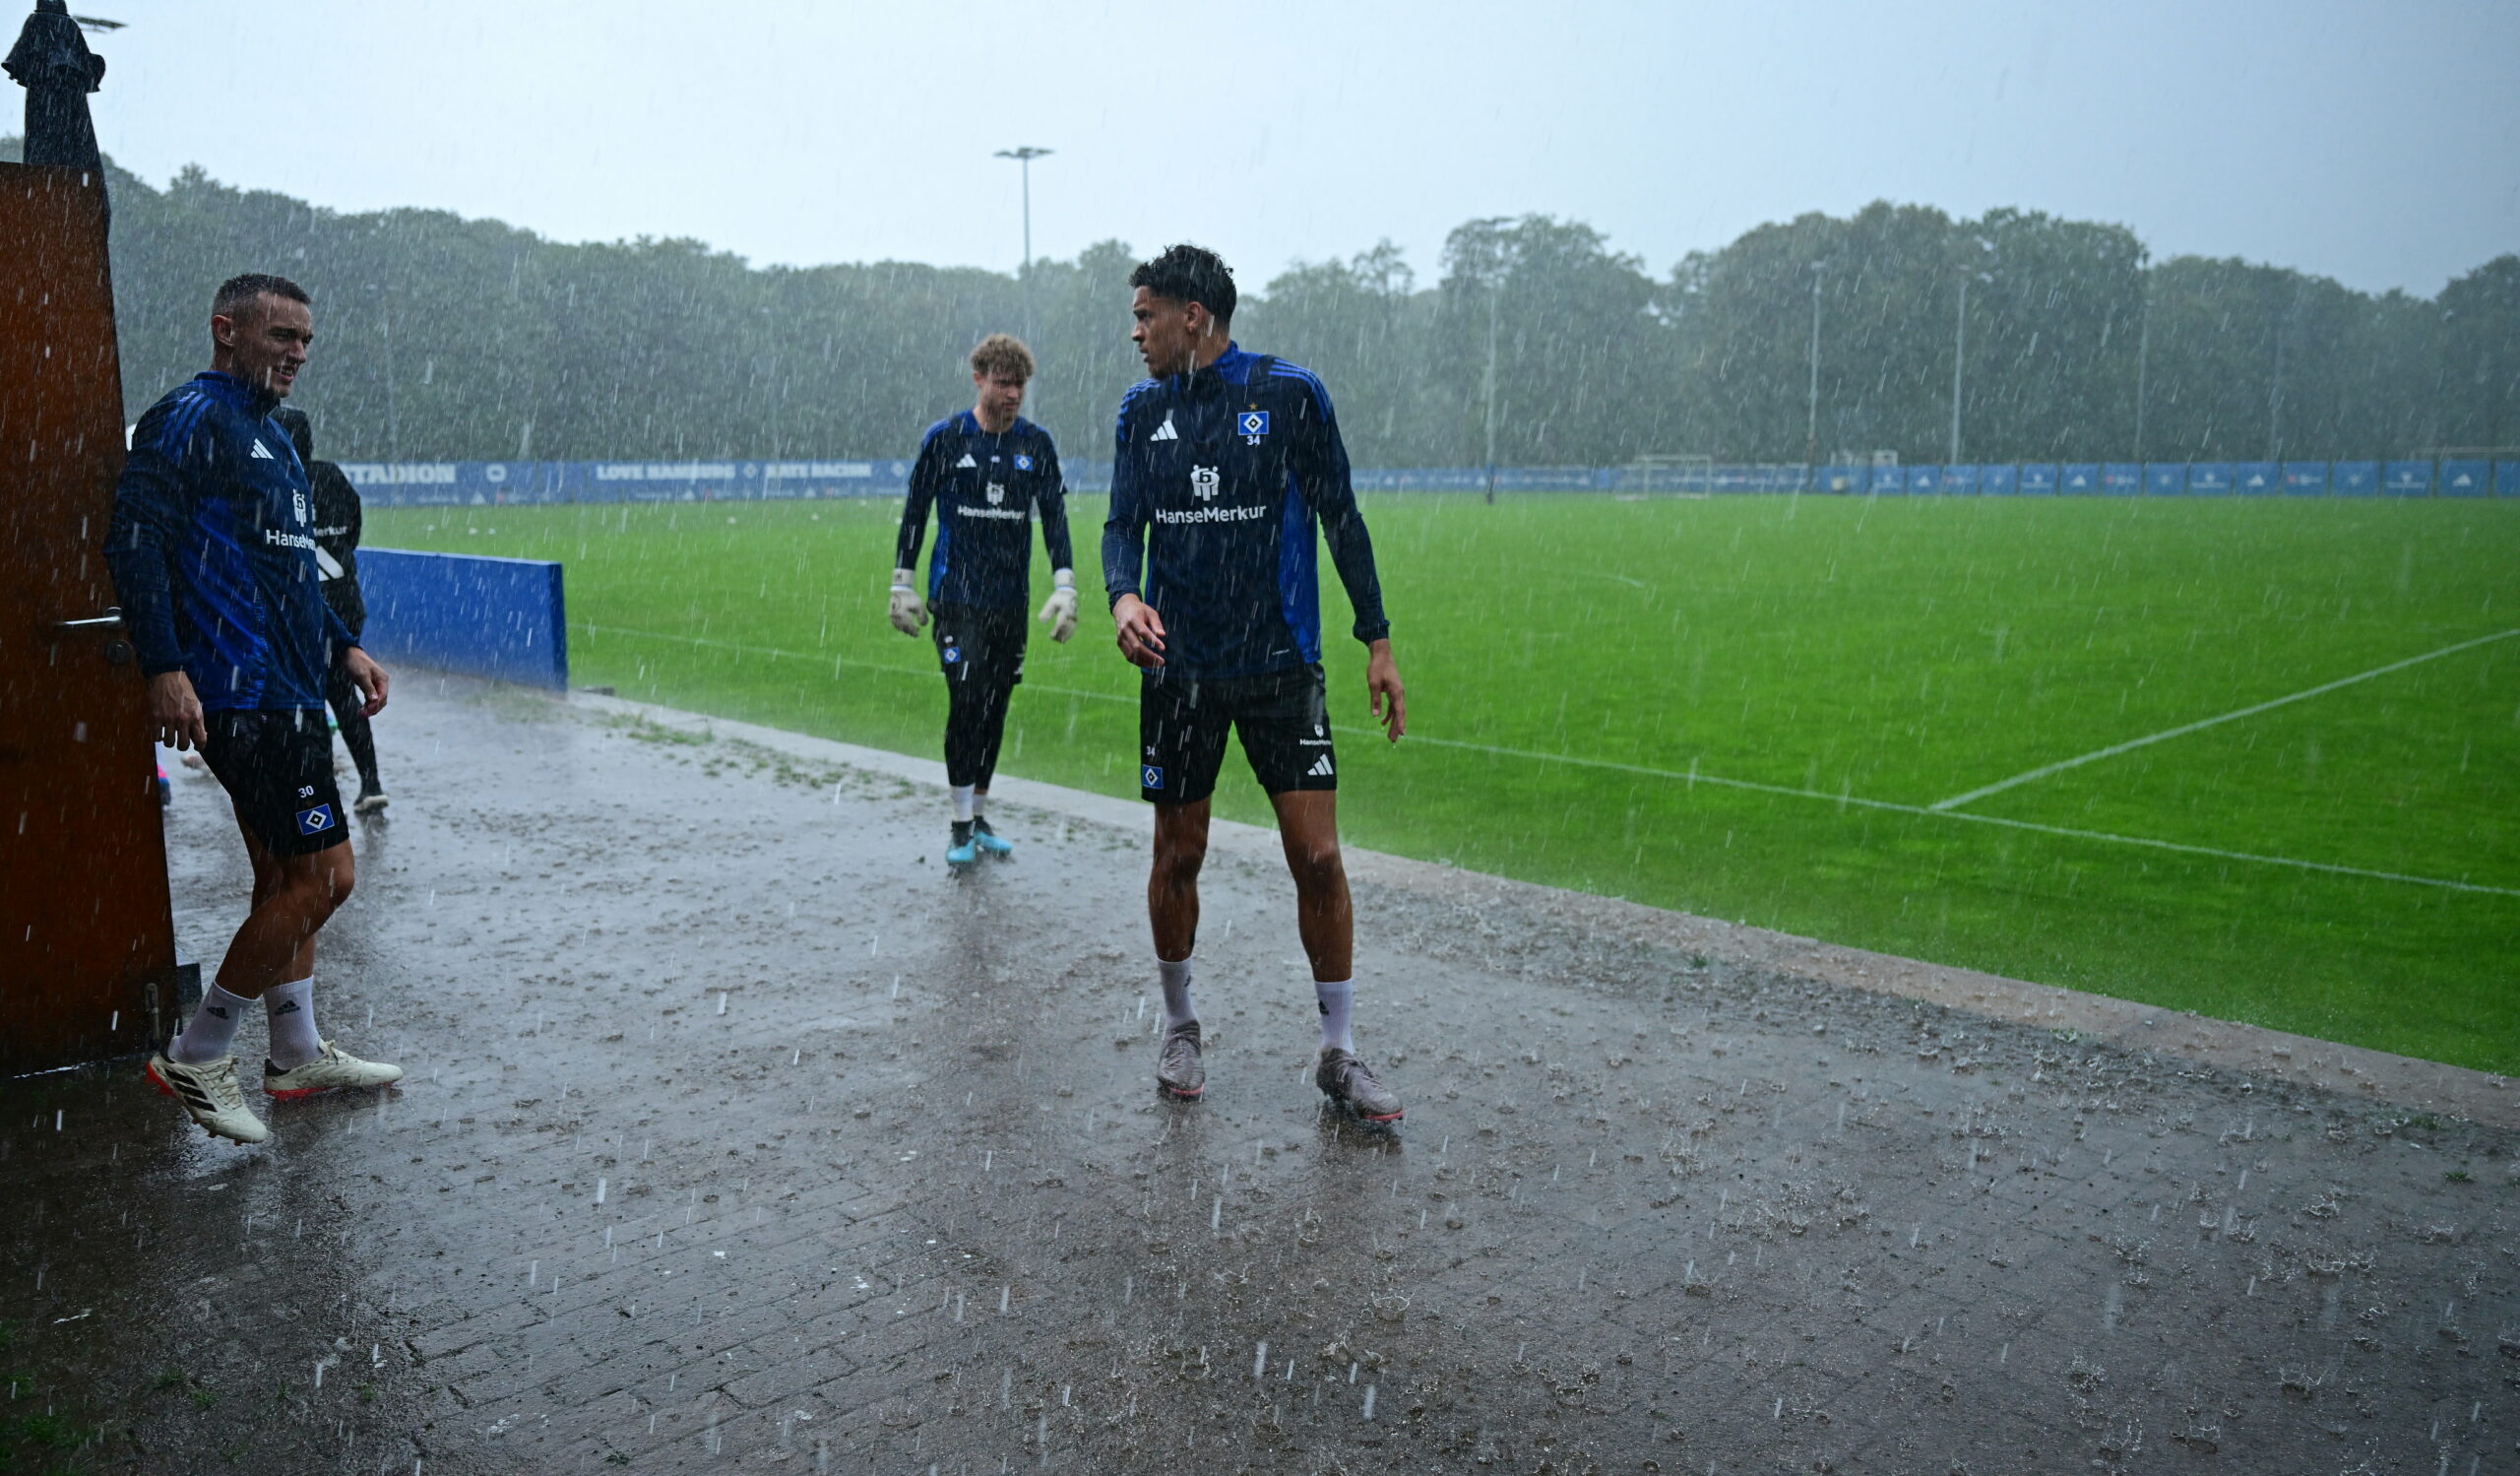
pixel 2209 479
pixel 2166 478
pixel 2406 478
pixel 2121 478
pixel 1841 480
pixel 2257 479
pixel 2507 478
pixel 1925 478
pixel 1960 480
pixel 1998 482
pixel 2039 480
pixel 2079 479
pixel 1889 482
pixel 2466 479
pixel 2354 479
pixel 2304 479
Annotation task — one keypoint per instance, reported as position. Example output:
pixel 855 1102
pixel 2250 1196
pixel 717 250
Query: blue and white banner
pixel 2466 479
pixel 498 483
pixel 2507 478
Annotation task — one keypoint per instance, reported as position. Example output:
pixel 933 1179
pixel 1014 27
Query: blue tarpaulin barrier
pixel 1925 478
pixel 2166 478
pixel 1999 480
pixel 2354 479
pixel 2118 478
pixel 497 617
pixel 2304 479
pixel 1960 480
pixel 2209 479
pixel 2257 479
pixel 2039 480
pixel 2079 479
pixel 2507 478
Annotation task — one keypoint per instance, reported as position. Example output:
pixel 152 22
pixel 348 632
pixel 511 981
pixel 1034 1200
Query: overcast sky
pixel 2377 142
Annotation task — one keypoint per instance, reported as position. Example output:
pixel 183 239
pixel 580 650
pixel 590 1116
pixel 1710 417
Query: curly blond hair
pixel 1002 355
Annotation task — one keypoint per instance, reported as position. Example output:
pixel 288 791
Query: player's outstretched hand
pixel 174 711
pixel 1141 631
pixel 1059 612
pixel 909 612
pixel 1382 680
pixel 370 678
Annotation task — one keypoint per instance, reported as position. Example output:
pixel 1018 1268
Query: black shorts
pixel 277 770
pixel 977 644
pixel 1284 718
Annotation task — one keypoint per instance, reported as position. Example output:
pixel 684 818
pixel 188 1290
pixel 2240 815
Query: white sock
pixel 211 1030
pixel 979 803
pixel 1337 1001
pixel 964 809
pixel 291 1009
pixel 1175 979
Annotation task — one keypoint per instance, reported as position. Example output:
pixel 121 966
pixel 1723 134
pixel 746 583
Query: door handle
pixel 111 619
pixel 118 652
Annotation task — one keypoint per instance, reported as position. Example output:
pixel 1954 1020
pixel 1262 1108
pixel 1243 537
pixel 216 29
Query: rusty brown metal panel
pixel 86 938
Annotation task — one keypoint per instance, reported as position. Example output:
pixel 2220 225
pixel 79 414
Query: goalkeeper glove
pixel 1060 613
pixel 909 612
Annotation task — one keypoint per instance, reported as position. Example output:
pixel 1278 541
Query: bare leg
pixel 1173 887
pixel 1308 828
pixel 293 895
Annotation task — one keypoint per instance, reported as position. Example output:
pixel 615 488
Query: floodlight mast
pixel 1024 156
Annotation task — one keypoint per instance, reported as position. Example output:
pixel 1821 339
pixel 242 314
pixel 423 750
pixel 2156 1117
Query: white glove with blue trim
pixel 909 612
pixel 1059 613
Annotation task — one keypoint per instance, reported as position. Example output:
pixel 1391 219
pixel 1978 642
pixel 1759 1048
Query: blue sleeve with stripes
pixel 1321 473
pixel 1124 530
pixel 1053 505
pixel 149 510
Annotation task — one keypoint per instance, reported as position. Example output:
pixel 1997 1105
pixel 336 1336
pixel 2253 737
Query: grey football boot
pixel 1349 1082
pixel 1178 1072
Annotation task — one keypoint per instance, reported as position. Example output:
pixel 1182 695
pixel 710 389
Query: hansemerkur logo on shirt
pixel 277 539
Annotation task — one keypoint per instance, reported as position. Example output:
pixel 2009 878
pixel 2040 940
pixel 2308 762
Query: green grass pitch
pixel 1749 707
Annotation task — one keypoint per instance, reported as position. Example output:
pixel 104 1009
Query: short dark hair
pixel 301 431
pixel 1189 273
pixel 246 286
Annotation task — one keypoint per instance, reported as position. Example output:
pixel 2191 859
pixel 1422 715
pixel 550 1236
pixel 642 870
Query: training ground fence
pixel 483 483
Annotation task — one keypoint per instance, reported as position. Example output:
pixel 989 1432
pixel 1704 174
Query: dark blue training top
pixel 213 555
pixel 984 488
pixel 1219 480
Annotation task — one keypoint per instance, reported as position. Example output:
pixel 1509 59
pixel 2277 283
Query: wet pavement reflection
pixel 738 1133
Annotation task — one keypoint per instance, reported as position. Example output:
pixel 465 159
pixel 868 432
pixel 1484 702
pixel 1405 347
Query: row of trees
pixel 446 338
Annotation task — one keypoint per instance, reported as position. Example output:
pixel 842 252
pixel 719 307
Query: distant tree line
pixel 443 337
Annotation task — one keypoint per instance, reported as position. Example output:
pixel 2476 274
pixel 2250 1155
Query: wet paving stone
pixel 738 1135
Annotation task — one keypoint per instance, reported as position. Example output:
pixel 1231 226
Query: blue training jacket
pixel 1220 478
pixel 213 554
pixel 984 488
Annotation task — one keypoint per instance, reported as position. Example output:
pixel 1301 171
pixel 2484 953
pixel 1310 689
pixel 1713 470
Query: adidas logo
pixel 1165 431
pixel 1320 768
pixel 260 454
pixel 965 462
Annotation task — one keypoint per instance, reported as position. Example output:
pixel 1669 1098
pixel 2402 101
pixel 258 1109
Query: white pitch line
pixel 2114 750
pixel 1693 777
pixel 1931 813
